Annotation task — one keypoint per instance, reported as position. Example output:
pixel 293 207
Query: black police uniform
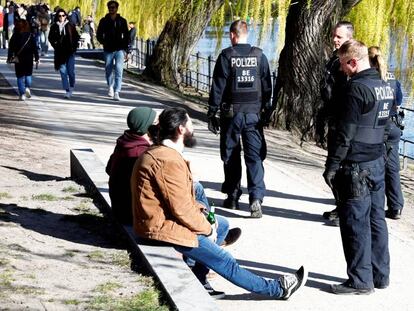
pixel 241 88
pixel 332 89
pixel 393 192
pixel 357 160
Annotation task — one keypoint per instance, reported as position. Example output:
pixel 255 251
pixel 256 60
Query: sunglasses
pixel 112 7
pixel 61 15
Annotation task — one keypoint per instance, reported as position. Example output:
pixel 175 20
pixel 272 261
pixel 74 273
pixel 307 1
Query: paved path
pixel 290 234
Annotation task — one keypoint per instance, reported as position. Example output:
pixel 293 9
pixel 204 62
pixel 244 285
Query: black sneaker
pixel 214 293
pixel 393 214
pixel 256 209
pixel 232 200
pixel 347 289
pixel 330 215
pixel 232 236
pixel 290 283
pixel 231 203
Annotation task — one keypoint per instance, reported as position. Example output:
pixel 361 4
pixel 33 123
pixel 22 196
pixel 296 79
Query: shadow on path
pixel 88 229
pixel 36 176
pixel 315 280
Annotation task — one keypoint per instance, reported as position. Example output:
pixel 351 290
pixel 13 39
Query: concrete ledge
pixel 181 287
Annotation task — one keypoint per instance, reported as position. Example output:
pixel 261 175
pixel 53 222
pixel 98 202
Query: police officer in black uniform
pixel 393 132
pixel 332 90
pixel 241 91
pixel 355 167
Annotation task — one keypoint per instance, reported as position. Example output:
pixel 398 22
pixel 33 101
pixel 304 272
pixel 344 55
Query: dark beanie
pixel 139 119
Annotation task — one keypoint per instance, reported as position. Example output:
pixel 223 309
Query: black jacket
pixel 65 44
pixel 332 87
pixel 28 53
pixel 358 100
pixel 113 34
pixel 222 79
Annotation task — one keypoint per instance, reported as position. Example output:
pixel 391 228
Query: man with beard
pixel 165 209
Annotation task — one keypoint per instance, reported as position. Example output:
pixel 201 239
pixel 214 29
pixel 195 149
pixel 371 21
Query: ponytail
pixel 377 61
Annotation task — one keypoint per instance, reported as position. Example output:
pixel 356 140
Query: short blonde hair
pixel 353 49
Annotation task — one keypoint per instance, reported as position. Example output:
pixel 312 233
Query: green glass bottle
pixel 211 217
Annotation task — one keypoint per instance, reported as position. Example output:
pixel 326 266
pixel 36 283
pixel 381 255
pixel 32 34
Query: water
pixel 211 44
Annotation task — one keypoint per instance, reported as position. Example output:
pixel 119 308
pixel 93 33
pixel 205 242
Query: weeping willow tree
pixel 390 25
pixel 308 28
pixel 185 27
pixel 178 38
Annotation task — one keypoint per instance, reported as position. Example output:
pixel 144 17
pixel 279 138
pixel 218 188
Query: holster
pixel 351 182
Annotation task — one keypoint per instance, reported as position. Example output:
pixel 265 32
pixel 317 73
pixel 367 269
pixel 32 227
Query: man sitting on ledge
pixel 165 209
pixel 141 134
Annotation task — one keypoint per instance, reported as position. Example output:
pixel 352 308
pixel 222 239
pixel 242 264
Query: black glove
pixel 214 124
pixel 329 176
pixel 266 117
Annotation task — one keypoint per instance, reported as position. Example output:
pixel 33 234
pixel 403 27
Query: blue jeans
pixel 247 127
pixel 43 39
pixel 223 227
pixel 200 195
pixel 23 83
pixel 118 57
pixel 68 71
pixel 364 229
pixel 208 255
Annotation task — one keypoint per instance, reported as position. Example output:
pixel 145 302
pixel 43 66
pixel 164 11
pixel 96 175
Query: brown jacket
pixel 164 206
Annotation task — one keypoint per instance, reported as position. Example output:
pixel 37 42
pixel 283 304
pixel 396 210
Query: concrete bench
pixel 180 286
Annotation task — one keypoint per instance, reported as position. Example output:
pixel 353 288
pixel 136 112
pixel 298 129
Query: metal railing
pixel 197 74
pixel 405 142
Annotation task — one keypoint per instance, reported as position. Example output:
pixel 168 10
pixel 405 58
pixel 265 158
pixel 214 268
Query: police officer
pixel 241 90
pixel 332 88
pixel 355 167
pixel 393 132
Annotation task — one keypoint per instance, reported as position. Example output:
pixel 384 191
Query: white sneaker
pixel 22 97
pixel 67 94
pixel 116 96
pixel 70 92
pixel 290 283
pixel 28 93
pixel 111 91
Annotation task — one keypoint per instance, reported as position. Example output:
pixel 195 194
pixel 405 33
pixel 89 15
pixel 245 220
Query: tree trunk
pixel 178 38
pixel 302 61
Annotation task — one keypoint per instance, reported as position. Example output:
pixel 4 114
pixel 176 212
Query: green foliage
pixel 70 189
pixel 5 195
pixel 378 21
pixel 147 300
pixel 107 287
pixel 45 197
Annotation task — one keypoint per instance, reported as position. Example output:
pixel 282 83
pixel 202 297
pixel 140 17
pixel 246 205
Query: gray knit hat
pixel 139 119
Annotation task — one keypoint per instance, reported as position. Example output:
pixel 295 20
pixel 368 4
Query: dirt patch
pixel 57 251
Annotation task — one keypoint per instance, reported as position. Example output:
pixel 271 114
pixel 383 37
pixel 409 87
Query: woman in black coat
pixel 23 45
pixel 64 39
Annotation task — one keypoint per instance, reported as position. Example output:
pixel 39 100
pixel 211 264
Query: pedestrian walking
pixel 113 34
pixel 43 18
pixel 355 168
pixel 23 51
pixel 241 91
pixel 393 132
pixel 9 20
pixel 64 39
